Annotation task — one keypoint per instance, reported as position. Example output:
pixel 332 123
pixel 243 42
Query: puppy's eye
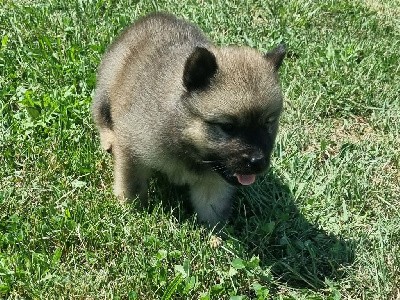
pixel 272 119
pixel 228 128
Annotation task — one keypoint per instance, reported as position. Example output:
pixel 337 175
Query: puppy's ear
pixel 276 55
pixel 200 67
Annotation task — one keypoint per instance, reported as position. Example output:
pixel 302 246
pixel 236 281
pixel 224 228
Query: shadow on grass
pixel 298 252
pixel 267 222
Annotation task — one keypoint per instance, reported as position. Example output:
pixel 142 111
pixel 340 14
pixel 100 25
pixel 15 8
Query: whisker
pixel 210 161
pixel 207 161
pixel 218 168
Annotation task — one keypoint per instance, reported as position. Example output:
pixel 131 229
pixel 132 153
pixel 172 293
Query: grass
pixel 323 224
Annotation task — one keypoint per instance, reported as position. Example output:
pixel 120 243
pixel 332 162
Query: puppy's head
pixel 233 102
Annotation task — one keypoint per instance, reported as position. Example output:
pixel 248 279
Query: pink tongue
pixel 246 179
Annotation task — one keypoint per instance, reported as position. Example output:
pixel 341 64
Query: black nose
pixel 257 163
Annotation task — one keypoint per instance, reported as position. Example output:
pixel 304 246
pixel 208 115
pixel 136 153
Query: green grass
pixel 323 224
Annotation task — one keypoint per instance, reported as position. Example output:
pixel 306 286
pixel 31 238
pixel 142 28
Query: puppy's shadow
pixel 298 252
pixel 268 223
pixel 174 198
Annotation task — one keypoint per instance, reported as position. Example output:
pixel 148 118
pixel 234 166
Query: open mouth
pixel 236 178
pixel 245 179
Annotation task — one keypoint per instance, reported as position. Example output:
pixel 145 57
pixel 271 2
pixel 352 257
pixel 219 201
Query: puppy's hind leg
pixel 101 112
pixel 106 139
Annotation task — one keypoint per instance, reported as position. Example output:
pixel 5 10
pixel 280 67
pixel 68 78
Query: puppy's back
pixel 152 39
pixel 150 53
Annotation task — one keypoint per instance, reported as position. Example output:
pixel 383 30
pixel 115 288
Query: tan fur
pixel 154 113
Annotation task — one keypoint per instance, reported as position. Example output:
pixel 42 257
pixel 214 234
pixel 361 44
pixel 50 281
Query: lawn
pixel 324 223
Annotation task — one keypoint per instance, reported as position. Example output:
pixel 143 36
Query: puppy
pixel 168 100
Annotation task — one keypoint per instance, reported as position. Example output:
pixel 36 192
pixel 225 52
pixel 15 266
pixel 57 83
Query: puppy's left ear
pixel 277 55
pixel 200 67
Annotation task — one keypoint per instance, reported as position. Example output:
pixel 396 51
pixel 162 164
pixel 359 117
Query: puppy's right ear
pixel 200 67
pixel 277 55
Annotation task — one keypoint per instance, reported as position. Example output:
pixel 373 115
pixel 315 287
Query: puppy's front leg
pixel 130 177
pixel 212 201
